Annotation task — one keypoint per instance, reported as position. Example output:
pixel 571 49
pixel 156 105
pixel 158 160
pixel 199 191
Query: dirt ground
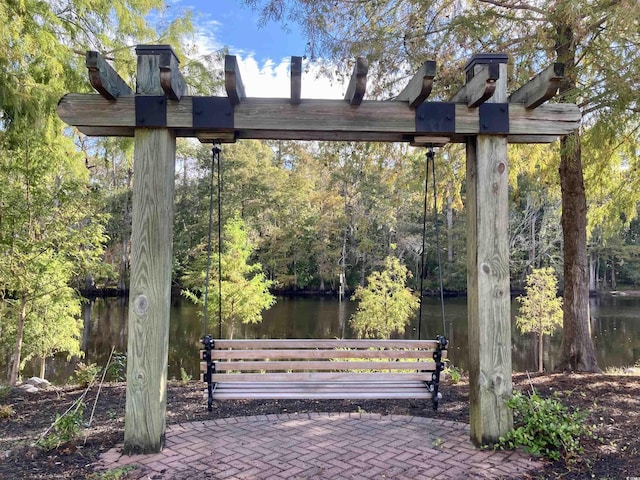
pixel 613 403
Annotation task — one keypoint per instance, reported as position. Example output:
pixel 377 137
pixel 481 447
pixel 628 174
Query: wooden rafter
pixel 232 80
pixel 480 87
pixel 419 87
pixel 171 79
pixel 104 78
pixel 540 88
pixel 358 83
pixel 296 79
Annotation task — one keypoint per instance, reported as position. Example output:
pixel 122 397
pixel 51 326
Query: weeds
pixel 545 427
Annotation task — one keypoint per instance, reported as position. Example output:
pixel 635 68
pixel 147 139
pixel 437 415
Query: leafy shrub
pixel 65 428
pixel 184 376
pixel 117 369
pixel 5 390
pixel 84 374
pixel 545 427
pixel 454 373
pixel 6 411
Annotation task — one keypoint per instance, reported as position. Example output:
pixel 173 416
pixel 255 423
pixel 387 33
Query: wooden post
pixel 151 260
pixel 489 312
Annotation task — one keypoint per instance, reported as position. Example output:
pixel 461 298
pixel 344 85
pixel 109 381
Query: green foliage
pixel 386 305
pixel 453 372
pixel 6 411
pixel 85 374
pixel 5 391
pixel 545 427
pixel 115 474
pixel 184 376
pixel 65 428
pixel 244 287
pixel 117 368
pixel 540 308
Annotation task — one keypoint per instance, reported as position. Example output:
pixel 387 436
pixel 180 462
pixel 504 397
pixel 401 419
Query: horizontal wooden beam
pixel 419 87
pixel 540 88
pixel 232 80
pixel 275 118
pixel 358 83
pixel 296 80
pixel 171 79
pixel 104 78
pixel 480 87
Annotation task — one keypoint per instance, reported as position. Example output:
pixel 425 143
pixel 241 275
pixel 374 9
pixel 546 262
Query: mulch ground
pixel 613 403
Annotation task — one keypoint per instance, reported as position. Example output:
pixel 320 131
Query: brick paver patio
pixel 321 446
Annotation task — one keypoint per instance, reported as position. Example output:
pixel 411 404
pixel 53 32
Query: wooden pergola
pixel 481 114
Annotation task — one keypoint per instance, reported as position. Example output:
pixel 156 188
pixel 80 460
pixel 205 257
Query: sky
pixel 263 51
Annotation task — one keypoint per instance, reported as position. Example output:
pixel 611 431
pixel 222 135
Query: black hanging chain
pixel 424 241
pixel 430 156
pixel 216 152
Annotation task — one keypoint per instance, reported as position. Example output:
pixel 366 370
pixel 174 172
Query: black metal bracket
pixel 212 112
pixel 434 384
pixel 436 117
pixel 151 111
pixel 494 118
pixel 209 344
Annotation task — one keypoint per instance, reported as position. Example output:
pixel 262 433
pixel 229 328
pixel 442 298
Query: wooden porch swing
pixel 274 369
pixel 481 115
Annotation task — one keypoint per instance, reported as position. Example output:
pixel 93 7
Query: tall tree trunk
pixel 578 353
pixel 540 356
pixel 449 225
pixel 592 272
pixel 43 364
pixel 17 352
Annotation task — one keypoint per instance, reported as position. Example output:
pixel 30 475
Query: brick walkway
pixel 321 446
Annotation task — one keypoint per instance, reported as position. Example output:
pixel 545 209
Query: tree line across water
pixel 316 215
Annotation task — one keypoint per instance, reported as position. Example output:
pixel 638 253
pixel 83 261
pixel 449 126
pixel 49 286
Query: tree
pixel 386 305
pixel 540 307
pixel 597 41
pixel 244 289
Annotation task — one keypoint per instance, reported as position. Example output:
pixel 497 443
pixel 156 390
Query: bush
pixel 545 427
pixel 6 411
pixel 65 428
pixel 84 374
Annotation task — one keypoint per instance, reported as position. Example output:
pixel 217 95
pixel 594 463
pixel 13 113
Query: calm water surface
pixel 615 325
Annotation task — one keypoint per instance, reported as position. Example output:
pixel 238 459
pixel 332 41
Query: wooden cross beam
pixel 296 80
pixel 104 78
pixel 480 88
pixel 171 79
pixel 358 83
pixel 540 88
pixel 272 118
pixel 419 87
pixel 232 80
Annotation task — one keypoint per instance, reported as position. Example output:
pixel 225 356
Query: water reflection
pixel 615 327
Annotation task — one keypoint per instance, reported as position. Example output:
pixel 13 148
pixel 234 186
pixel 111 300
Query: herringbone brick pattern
pixel 322 446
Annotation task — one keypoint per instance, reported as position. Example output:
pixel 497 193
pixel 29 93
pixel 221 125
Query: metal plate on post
pixel 494 118
pixel 151 111
pixel 212 112
pixel 436 117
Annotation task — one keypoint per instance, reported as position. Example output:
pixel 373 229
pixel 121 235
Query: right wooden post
pixel 489 303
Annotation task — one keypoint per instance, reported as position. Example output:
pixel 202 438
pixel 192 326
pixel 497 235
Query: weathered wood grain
pixel 488 300
pixel 150 290
pixel 540 88
pixel 358 83
pixel 271 343
pixel 480 88
pixel 296 80
pixel 104 78
pixel 263 118
pixel 419 87
pixel 171 79
pixel 232 80
pixel 150 280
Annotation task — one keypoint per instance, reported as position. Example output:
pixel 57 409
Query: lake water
pixel 615 327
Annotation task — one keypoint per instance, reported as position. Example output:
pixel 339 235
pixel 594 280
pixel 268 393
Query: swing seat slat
pixel 324 369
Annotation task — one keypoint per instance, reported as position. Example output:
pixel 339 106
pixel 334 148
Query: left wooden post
pixel 151 260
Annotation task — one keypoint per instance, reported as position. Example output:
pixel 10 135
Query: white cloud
pixel 272 79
